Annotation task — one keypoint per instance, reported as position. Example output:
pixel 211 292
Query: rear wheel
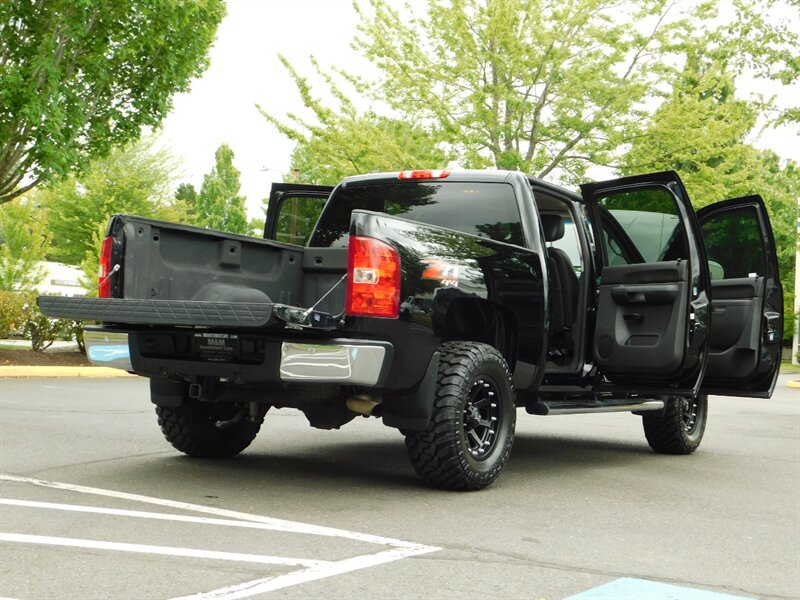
pixel 471 432
pixel 679 428
pixel 209 430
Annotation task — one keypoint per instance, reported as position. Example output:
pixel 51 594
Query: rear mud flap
pixel 413 411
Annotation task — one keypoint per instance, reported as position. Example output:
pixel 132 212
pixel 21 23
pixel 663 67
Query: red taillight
pixel 103 279
pixel 373 279
pixel 423 174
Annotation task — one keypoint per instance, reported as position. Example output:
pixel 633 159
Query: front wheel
pixel 471 432
pixel 679 428
pixel 209 430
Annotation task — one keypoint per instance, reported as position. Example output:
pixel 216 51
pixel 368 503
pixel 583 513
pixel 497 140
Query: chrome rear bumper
pixel 341 361
pixel 338 361
pixel 108 349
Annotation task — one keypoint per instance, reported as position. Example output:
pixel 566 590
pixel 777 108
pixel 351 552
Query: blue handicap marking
pixel 641 589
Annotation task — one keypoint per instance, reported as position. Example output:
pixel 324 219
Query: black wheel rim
pixel 690 409
pixel 481 418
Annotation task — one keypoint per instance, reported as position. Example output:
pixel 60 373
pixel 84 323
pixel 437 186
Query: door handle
pixel 636 317
pixel 772 326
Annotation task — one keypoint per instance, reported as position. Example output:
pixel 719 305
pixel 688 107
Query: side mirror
pixel 716 270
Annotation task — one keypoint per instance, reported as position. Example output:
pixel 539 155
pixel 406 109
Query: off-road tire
pixel 209 430
pixel 459 451
pixel 678 429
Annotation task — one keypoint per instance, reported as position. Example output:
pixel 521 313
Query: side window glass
pixel 296 218
pixel 734 245
pixel 641 226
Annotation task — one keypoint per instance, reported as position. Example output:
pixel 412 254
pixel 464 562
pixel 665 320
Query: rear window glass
pixel 483 209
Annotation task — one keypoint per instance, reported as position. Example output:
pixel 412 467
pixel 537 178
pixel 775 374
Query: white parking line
pixel 277 524
pixel 270 584
pixel 139 514
pixel 47 540
pixel 314 570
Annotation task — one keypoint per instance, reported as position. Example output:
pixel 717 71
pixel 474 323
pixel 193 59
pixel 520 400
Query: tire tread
pixel 665 433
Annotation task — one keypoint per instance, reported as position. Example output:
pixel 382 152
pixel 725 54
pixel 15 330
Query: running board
pixel 577 407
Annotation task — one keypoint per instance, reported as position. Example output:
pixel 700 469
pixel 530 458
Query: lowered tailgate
pixel 133 311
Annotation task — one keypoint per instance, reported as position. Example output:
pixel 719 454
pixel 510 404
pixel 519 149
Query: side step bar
pixel 576 407
pixel 158 312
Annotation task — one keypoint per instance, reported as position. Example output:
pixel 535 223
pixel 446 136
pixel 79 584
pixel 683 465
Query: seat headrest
pixel 553 226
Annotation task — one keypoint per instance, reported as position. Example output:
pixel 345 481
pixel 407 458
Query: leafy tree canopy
pixel 78 78
pixel 218 205
pixel 345 141
pixel 24 241
pixel 549 88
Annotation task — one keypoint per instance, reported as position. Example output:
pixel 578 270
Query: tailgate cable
pixel 325 295
pixel 113 270
pixel 298 318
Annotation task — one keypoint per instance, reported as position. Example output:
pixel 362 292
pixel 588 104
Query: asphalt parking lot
pixel 95 504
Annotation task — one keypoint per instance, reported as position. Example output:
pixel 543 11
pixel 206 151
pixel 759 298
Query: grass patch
pixel 788 367
pixel 14 347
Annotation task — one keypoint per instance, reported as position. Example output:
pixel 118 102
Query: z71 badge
pixel 442 271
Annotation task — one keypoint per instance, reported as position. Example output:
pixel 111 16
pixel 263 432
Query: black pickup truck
pixel 441 302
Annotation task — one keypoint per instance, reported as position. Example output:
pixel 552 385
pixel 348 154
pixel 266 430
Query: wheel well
pixel 477 320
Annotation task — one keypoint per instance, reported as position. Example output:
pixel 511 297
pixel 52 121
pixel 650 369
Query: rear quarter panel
pixel 441 269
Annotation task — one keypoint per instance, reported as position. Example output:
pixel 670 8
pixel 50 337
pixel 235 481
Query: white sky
pixel 244 71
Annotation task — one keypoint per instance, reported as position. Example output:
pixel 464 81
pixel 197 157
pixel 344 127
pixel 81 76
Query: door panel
pixel 651 327
pixel 736 307
pixel 746 299
pixel 641 312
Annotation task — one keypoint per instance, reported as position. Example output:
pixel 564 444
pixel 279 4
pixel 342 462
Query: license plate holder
pixel 216 347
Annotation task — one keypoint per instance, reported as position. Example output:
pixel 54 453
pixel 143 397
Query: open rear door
pixel 651 323
pixel 293 211
pixel 746 299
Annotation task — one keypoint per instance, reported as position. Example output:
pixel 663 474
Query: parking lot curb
pixel 793 384
pixel 88 372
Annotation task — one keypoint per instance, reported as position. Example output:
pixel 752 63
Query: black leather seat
pixel 563 284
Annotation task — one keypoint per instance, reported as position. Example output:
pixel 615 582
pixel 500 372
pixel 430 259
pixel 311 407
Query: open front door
pixel 651 323
pixel 746 299
pixel 293 211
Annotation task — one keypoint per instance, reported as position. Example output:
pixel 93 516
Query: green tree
pixel 524 84
pixel 219 205
pixel 186 196
pixel 134 179
pixel 91 259
pixel 186 193
pixel 343 141
pixel 767 32
pixel 547 88
pixel 24 241
pixel 78 78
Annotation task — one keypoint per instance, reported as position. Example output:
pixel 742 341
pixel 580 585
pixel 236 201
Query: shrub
pixel 41 330
pixel 12 313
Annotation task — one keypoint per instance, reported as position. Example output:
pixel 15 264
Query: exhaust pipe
pixel 364 405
